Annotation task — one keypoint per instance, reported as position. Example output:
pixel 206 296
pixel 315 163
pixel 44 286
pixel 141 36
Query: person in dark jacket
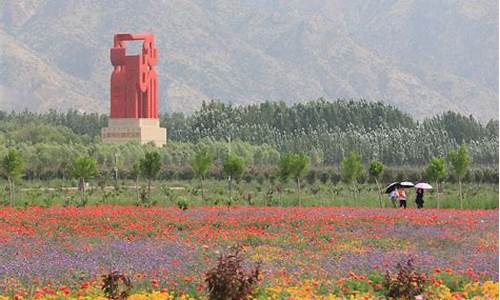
pixel 420 198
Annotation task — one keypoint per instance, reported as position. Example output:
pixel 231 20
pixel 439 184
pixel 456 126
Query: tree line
pixel 329 130
pixel 293 166
pixel 326 131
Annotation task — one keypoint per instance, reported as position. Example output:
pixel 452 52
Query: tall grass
pixel 264 193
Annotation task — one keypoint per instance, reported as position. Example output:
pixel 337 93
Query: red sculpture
pixel 134 82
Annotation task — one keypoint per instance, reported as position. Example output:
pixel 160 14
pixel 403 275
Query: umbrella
pixel 391 187
pixel 423 185
pixel 406 184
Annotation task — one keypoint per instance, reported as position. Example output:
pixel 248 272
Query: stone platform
pixel 124 130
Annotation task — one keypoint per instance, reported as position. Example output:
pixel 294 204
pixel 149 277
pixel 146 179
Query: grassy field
pixel 167 193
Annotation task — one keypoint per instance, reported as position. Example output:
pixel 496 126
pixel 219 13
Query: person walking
pixel 419 199
pixel 394 197
pixel 402 197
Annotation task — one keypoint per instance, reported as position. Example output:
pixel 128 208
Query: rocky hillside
pixel 424 56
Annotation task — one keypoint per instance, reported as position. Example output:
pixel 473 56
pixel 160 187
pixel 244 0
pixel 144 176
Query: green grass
pixel 167 193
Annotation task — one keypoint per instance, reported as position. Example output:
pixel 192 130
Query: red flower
pixel 85 285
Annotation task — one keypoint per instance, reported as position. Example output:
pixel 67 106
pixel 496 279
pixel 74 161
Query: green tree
pixel 201 163
pixel 351 168
pixel 294 165
pixel 436 171
pixel 283 173
pixel 460 161
pixel 83 168
pixel 375 170
pixel 12 168
pixel 233 167
pixel 150 166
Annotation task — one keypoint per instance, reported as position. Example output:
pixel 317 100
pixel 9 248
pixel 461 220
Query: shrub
pixel 311 177
pixel 185 173
pixel 182 204
pixel 116 286
pixel 315 189
pixel 248 177
pixel 228 280
pixel 260 179
pixel 323 177
pixel 335 177
pixel 407 283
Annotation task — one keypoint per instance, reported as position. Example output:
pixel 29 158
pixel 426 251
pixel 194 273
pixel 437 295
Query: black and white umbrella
pixel 391 187
pixel 406 184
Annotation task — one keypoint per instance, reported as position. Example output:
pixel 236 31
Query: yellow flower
pixel 486 290
pixel 490 289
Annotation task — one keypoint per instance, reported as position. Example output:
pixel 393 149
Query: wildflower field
pixel 303 253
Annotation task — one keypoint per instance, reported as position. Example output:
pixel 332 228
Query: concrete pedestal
pixel 124 130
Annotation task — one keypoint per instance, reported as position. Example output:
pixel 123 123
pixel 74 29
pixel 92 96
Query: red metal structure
pixel 134 82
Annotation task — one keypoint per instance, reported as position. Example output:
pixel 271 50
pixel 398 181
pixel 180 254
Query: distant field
pixel 167 193
pixel 306 253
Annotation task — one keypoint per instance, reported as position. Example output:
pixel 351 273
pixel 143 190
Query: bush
pixel 311 177
pixel 335 177
pixel 228 280
pixel 247 177
pixel 323 177
pixel 406 284
pixel 185 173
pixel 116 286
pixel 182 204
pixel 315 189
pixel 260 179
pixel 167 174
pixel 490 175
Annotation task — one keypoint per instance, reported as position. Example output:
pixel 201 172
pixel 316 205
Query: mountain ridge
pixel 422 56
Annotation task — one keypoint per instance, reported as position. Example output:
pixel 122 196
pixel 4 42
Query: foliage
pixel 329 129
pixel 375 169
pixel 351 167
pixel 12 164
pixel 436 170
pixel 201 162
pixel 461 128
pixel 11 167
pixel 182 204
pixel 150 166
pixel 229 280
pixel 84 167
pixel 260 133
pixel 407 283
pixel 294 165
pixel 116 286
pixel 234 166
pixel 88 124
pixel 459 160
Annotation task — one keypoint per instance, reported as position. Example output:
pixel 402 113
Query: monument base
pixel 124 130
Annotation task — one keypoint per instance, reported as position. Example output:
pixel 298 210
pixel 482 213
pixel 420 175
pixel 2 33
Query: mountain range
pixel 423 56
